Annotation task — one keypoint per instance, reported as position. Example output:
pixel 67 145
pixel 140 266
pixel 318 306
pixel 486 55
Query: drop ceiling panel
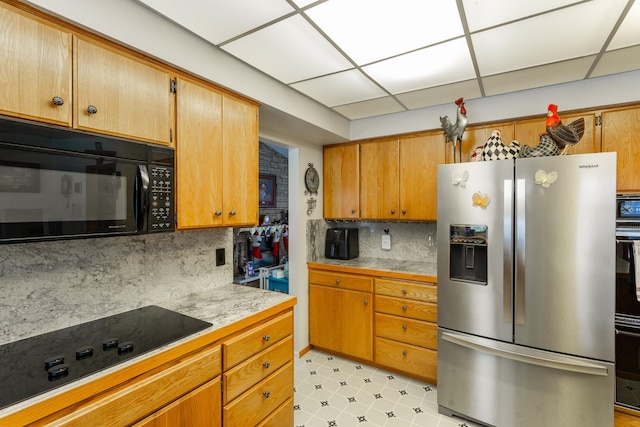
pixel 340 88
pixel 544 75
pixel 565 34
pixel 370 108
pixel 290 50
pixel 629 32
pixel 433 66
pixel 220 20
pixel 438 95
pixel 370 30
pixel 618 61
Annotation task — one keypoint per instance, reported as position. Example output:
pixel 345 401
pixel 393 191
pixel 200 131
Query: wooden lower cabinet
pixel 258 375
pixel 200 408
pixel 407 358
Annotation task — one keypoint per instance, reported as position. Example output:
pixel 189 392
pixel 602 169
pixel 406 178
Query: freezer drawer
pixel 506 385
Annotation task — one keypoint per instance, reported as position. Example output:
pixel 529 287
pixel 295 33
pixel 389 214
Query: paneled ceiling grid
pixel 365 58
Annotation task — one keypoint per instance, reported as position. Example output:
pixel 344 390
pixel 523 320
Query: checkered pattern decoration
pixel 495 149
pixel 546 147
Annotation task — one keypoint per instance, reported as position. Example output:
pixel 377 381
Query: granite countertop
pixel 383 265
pixel 220 306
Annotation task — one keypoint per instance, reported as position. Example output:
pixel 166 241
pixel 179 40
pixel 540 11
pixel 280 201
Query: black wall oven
pixel 59 183
pixel 627 320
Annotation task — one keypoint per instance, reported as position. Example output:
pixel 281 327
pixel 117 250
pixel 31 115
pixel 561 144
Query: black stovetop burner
pixel 38 364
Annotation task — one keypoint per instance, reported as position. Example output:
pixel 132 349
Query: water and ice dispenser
pixel 468 253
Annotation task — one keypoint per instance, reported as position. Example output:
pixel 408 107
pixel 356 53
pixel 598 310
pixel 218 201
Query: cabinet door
pixel 379 179
pixel 341 194
pixel 200 408
pixel 341 320
pixel 475 136
pixel 131 98
pixel 199 170
pixel 239 161
pixel 35 67
pixel 528 133
pixel 620 130
pixel 419 160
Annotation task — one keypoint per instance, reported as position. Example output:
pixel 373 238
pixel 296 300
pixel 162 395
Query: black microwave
pixel 60 183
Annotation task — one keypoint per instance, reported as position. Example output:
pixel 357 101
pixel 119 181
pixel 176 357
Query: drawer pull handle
pixel 404 353
pixel 404 327
pixel 404 291
pixel 266 365
pixel 404 308
pixel 266 338
pixel 266 394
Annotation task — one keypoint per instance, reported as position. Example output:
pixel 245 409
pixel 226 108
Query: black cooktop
pixel 38 364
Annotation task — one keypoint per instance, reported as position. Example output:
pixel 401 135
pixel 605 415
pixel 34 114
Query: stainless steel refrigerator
pixel 526 274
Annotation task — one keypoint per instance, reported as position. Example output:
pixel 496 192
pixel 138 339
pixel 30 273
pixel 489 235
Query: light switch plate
pixel 386 242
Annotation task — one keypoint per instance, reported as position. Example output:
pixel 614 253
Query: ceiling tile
pixel 544 75
pixel 303 3
pixel 433 66
pixel 370 108
pixel 488 13
pixel 220 20
pixel 548 38
pixel 370 30
pixel 290 50
pixel 440 94
pixel 340 88
pixel 629 32
pixel 618 61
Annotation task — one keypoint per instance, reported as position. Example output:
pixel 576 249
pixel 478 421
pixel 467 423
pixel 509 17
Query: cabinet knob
pixel 366 302
pixel 56 100
pixel 266 394
pixel 353 211
pixel 393 211
pixel 266 365
pixel 233 212
pixel 404 327
pixel 404 308
pixel 338 281
pixel 266 338
pixel 404 291
pixel 404 353
pixel 91 109
pixel 218 213
pixel 404 211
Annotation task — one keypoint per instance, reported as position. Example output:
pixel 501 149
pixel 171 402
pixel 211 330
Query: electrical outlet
pixel 219 256
pixel 386 242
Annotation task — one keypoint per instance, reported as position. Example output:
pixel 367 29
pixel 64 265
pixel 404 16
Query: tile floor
pixel 335 392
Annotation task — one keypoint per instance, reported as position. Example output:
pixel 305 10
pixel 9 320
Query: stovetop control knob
pixel 53 361
pixel 125 347
pixel 84 352
pixel 109 343
pixel 58 371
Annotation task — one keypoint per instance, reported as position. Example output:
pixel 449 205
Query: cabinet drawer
pixel 404 289
pixel 249 373
pixel 407 330
pixel 250 343
pixel 407 358
pixel 408 308
pixel 262 399
pixel 283 416
pixel 341 280
pixel 139 399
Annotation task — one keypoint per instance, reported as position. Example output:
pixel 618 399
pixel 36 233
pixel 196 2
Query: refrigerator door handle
pixel 524 355
pixel 507 263
pixel 520 251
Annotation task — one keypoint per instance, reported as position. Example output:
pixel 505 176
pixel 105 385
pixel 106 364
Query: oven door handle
pixel 627 333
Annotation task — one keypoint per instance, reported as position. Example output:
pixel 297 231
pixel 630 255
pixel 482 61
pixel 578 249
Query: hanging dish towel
pixel 636 257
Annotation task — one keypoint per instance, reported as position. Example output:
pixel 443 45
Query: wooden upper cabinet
pixel 35 67
pixel 477 136
pixel 379 179
pixel 341 194
pixel 199 170
pixel 121 95
pixel 528 132
pixel 419 159
pixel 620 130
pixel 239 161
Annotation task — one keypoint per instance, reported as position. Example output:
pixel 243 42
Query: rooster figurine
pixel 563 135
pixel 453 132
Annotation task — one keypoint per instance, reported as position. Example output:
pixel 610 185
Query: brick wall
pixel 273 163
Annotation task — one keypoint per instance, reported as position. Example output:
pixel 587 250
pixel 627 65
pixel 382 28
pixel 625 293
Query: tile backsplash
pixel 46 286
pixel 410 241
